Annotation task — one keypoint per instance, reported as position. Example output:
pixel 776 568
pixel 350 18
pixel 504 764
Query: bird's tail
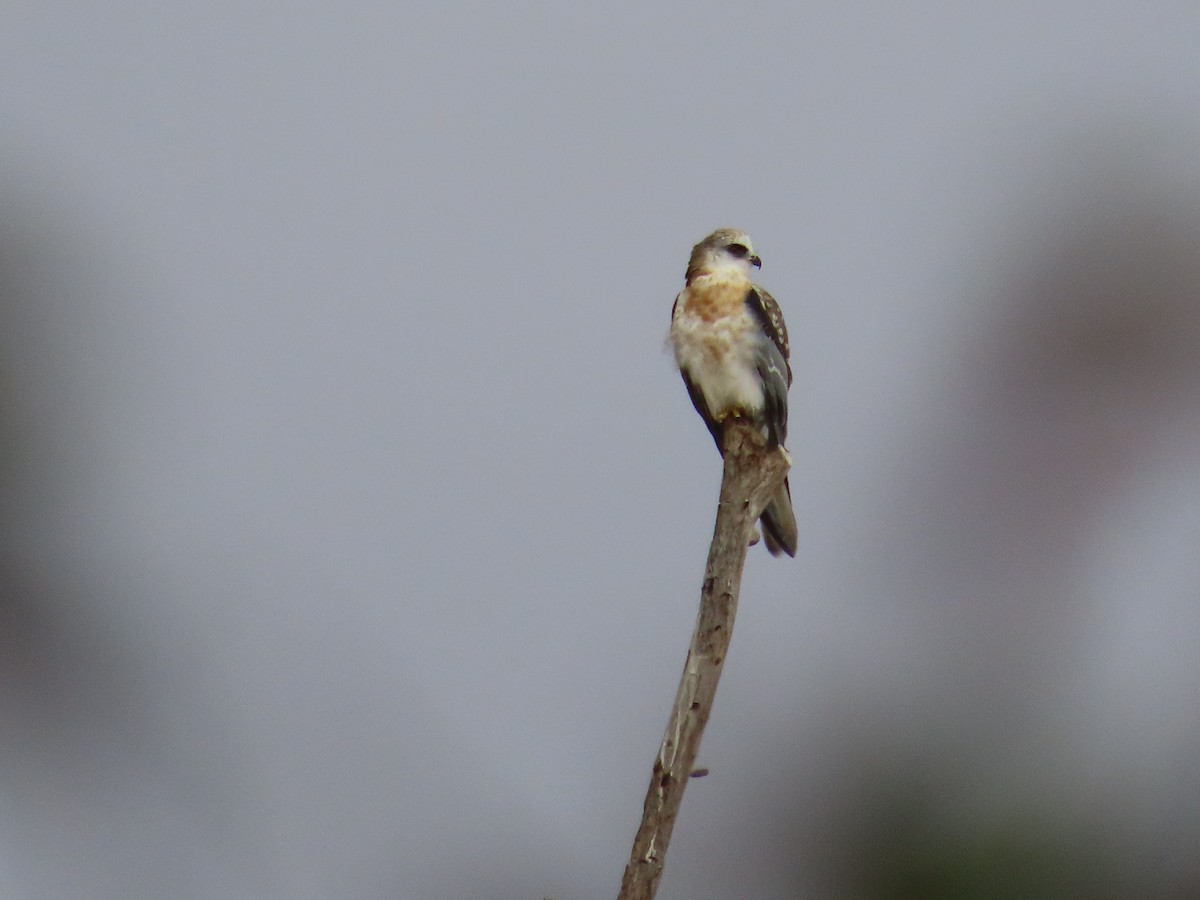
pixel 779 522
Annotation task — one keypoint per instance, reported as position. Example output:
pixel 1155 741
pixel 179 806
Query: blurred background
pixel 352 515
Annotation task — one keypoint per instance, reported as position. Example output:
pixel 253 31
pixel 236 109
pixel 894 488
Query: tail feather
pixel 779 523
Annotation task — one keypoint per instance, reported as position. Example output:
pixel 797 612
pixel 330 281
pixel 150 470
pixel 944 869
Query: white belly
pixel 719 359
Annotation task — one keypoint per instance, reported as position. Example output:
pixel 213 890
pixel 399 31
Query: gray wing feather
pixel 770 318
pixel 772 363
pixel 779 523
pixel 778 519
pixel 715 428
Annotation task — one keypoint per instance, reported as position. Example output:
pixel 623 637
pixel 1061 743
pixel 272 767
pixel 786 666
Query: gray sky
pixel 354 514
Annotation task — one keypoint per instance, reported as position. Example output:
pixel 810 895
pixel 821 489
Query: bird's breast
pixel 716 341
pixel 714 297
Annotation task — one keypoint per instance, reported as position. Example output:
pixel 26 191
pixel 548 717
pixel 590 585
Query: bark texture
pixel 751 476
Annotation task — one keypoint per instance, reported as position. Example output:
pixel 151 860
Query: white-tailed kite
pixel 731 346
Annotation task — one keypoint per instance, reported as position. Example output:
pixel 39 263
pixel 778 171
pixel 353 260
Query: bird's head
pixel 725 248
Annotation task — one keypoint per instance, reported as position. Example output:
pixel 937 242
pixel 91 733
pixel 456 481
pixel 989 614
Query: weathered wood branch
pixel 750 478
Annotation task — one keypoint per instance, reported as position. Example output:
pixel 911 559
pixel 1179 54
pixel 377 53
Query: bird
pixel 731 345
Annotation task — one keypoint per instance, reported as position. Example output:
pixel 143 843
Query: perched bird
pixel 731 346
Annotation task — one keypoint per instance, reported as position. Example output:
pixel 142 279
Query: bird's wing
pixel 770 317
pixel 772 363
pixel 714 427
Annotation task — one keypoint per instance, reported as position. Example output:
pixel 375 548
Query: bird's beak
pixel 756 262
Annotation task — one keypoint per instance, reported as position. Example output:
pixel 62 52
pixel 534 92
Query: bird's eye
pixel 741 251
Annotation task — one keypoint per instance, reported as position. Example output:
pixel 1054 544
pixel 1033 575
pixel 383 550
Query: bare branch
pixel 751 476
